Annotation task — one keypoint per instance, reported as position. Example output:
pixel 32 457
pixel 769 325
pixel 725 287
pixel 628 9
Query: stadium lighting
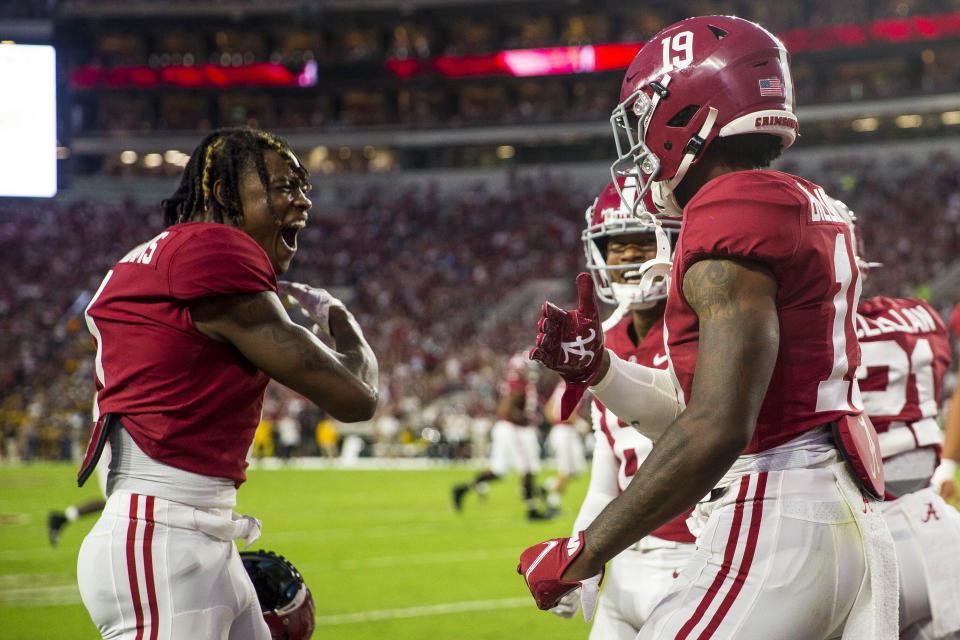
pixel 950 117
pixel 128 156
pixel 171 156
pixel 908 121
pixel 865 124
pixel 505 152
pixel 152 160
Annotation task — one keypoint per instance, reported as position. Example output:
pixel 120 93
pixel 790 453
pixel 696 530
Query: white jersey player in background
pixel 905 350
pixel 514 443
pixel 620 249
pixel 566 445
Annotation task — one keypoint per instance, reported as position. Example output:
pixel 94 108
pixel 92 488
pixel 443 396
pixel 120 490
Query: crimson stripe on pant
pixel 148 568
pixel 728 556
pixel 132 564
pixel 748 554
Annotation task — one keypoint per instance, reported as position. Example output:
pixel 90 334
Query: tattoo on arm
pixel 708 287
pixel 257 313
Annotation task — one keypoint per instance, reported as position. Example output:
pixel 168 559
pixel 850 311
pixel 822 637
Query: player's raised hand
pixel 571 343
pixel 314 301
pixel 542 565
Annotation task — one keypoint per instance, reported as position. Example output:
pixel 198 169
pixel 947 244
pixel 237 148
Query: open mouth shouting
pixel 288 233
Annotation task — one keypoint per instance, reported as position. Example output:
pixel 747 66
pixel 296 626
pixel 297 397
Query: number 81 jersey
pixel 905 352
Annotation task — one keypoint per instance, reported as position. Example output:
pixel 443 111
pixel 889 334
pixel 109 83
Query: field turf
pixel 382 551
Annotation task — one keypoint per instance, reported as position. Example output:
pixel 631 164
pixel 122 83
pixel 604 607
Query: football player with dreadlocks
pixel 189 328
pixel 764 433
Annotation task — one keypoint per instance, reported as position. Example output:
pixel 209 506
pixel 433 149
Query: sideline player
pixel 189 329
pixel 514 443
pixel 905 349
pixel 618 245
pixel 567 448
pixel 762 348
pixel 57 520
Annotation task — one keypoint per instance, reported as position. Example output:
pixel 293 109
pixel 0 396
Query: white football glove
pixel 568 605
pixel 944 480
pixel 315 302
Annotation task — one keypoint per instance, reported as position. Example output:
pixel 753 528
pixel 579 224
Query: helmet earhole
pixel 668 145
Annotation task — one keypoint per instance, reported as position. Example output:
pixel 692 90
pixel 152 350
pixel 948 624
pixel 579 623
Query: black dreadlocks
pixel 223 155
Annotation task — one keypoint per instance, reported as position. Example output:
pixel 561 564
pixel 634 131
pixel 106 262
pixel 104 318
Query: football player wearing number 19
pixel 758 419
pixel 189 328
pixel 905 349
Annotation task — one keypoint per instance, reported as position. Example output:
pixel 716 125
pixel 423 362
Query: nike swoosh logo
pixel 550 545
pixel 659 359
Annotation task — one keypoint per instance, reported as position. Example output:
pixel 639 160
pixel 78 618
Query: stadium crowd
pixel 427 277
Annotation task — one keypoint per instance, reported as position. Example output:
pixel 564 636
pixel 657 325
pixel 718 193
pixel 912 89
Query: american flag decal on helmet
pixel 771 87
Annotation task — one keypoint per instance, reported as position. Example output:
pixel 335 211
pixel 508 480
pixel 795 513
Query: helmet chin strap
pixel 664 200
pixel 693 149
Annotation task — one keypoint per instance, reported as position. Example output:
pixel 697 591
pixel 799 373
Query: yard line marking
pixel 443 557
pixel 40 596
pixel 392 531
pixel 27 579
pixel 428 610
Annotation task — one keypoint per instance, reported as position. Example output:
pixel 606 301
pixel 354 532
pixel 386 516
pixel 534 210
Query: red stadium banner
pixel 515 62
pixel 263 74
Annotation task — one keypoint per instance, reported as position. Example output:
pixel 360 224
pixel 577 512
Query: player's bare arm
pixel 511 407
pixel 342 381
pixel 739 337
pixel 946 473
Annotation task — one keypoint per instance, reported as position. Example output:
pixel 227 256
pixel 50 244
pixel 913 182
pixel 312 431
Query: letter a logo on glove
pixel 571 333
pixel 577 347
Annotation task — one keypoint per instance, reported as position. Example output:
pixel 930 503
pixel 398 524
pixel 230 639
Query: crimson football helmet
pixel 614 213
pixel 694 81
pixel 285 600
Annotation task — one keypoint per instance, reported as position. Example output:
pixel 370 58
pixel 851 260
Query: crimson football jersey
pixel 187 400
pixel 628 445
pixel 955 320
pixel 905 350
pixel 790 226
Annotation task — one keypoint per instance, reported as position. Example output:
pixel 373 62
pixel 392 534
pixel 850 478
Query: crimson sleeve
pixel 744 215
pixel 220 260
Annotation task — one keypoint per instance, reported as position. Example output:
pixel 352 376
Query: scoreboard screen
pixel 28 121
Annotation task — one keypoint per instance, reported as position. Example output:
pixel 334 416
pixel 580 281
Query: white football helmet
pixel 646 282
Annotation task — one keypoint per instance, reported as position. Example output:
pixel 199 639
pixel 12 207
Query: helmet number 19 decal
pixel 680 43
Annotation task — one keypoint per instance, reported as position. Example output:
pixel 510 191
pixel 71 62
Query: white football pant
pixel 926 531
pixel 567 450
pixel 514 447
pixel 162 569
pixel 780 556
pixel 636 581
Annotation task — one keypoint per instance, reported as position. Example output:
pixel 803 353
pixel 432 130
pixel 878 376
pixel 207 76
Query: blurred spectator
pixel 426 274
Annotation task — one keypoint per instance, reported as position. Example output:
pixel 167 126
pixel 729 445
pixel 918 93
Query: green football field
pixel 382 551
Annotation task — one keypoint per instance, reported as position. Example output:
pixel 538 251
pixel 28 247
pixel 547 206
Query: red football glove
pixel 542 565
pixel 571 343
